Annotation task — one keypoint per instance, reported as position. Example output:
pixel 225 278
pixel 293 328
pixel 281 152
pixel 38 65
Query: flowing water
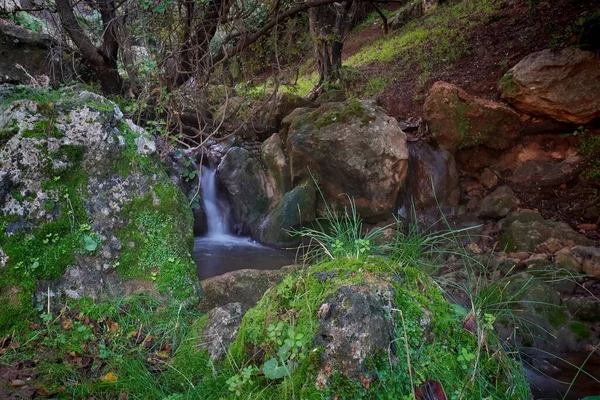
pixel 220 251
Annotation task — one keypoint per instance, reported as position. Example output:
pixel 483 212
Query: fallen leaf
pixel 431 390
pixel 113 326
pixel 67 324
pixel 162 354
pixel 110 378
pixel 17 383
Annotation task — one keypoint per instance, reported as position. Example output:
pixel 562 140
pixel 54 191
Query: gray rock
pixel 246 185
pixel 526 236
pixel 432 178
pixel 589 258
pixel 584 308
pixel 353 324
pixel 498 203
pixel 278 170
pixel 221 329
pixel 34 53
pixel 297 207
pixel 245 286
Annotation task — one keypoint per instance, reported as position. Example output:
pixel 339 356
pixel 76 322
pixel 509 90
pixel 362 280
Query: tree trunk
pixel 102 60
pixel 328 26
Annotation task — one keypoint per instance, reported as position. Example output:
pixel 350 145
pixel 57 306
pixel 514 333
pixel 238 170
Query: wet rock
pixel 498 204
pixel 245 286
pixel 539 308
pixel 246 186
pixel 561 84
pixel 432 178
pixel 584 308
pixel 278 171
pixel 356 150
pixel 221 329
pixel 458 120
pixel 526 236
pixel 589 258
pixel 297 207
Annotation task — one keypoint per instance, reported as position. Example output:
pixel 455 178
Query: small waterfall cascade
pixel 216 214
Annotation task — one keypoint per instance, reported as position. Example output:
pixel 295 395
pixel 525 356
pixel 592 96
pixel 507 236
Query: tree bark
pixel 102 60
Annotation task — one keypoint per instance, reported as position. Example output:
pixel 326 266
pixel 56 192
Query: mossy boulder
pixel 342 330
pixel 355 150
pixel 85 204
pixel 458 120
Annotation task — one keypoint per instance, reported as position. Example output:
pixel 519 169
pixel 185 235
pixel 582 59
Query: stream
pixel 219 251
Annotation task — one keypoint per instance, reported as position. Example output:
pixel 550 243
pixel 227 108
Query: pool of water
pixel 221 253
pixel 552 378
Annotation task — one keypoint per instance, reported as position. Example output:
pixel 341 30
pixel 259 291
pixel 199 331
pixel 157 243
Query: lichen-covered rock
pixel 246 185
pixel 342 330
pixel 355 150
pixel 85 204
pixel 561 84
pixel 297 207
pixel 498 203
pixel 458 120
pixel 221 329
pixel 525 234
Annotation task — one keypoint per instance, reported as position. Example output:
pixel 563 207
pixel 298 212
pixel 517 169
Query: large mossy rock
pixel 342 329
pixel 355 150
pixel 525 230
pixel 85 206
pixel 560 84
pixel 458 120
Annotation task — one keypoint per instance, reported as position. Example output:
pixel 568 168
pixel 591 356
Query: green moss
pixel 507 83
pixel 40 96
pixel 43 129
pixel 158 240
pixel 294 302
pixel 556 316
pixel 580 329
pixel 8 132
pixel 375 85
pixel 131 160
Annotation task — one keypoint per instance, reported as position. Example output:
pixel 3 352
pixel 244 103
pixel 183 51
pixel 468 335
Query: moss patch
pixel 157 242
pixel 438 357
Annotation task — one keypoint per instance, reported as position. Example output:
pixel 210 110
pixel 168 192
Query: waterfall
pixel 216 218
